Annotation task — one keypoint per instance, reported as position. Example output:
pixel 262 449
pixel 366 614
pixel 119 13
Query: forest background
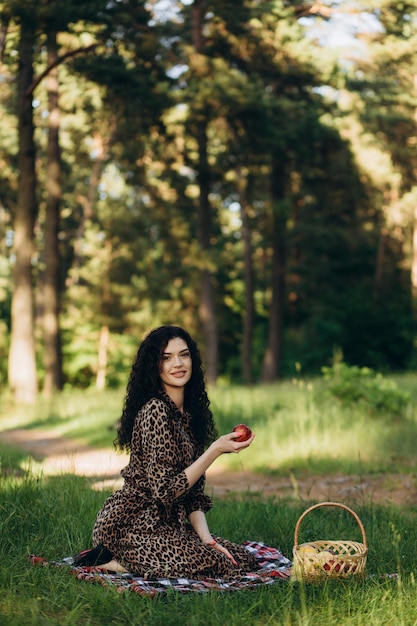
pixel 246 169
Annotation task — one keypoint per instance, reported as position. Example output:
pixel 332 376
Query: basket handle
pixel 320 504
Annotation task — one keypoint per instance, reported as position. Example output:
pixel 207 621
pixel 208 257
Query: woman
pixel 155 525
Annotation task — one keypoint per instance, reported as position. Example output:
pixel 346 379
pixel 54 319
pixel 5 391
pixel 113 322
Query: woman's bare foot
pixel 113 566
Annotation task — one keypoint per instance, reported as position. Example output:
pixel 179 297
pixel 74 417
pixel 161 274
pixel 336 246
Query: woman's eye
pixel 166 357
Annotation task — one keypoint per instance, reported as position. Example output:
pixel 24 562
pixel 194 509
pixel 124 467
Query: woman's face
pixel 176 364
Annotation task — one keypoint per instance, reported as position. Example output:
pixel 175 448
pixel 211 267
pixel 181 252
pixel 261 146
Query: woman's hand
pixel 218 546
pixel 227 444
pixel 199 522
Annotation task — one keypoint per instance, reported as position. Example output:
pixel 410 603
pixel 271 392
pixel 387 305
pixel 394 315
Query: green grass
pixel 12 460
pixel 298 431
pixel 85 415
pixel 53 517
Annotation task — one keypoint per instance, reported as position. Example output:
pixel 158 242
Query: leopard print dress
pixel 144 525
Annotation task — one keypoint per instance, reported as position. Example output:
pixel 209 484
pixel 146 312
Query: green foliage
pixel 372 391
pixel 266 92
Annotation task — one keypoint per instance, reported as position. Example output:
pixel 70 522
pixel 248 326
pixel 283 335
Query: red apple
pixel 351 567
pixel 330 563
pixel 243 431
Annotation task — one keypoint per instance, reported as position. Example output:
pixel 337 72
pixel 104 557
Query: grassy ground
pixel 298 427
pixel 53 517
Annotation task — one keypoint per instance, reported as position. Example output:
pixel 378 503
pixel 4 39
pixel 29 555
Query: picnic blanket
pixel 274 567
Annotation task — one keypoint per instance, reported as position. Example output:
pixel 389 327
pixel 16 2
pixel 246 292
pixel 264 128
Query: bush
pixel 362 385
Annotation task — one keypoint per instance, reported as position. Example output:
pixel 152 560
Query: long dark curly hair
pixel 145 383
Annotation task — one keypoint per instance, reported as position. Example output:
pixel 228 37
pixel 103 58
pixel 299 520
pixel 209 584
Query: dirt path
pixel 57 455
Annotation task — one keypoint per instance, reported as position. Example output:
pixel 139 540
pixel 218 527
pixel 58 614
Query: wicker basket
pixel 318 560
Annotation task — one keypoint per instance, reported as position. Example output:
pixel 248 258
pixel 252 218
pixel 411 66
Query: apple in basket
pixel 307 564
pixel 307 550
pixel 350 567
pixel 243 431
pixel 327 562
pixel 329 565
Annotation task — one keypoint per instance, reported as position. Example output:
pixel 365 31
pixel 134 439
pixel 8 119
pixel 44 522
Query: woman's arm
pixel 199 523
pixel 223 445
pixel 158 450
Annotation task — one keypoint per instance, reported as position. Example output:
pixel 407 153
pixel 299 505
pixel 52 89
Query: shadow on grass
pixel 12 459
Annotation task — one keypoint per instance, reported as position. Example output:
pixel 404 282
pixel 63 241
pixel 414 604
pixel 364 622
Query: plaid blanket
pixel 274 567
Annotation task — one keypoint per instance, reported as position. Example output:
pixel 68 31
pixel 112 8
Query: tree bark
pixel 22 363
pixel 414 259
pixel 249 312
pixel 102 358
pixel 51 333
pixel 197 17
pixel 4 27
pixel 273 353
pixel 207 308
pixel 379 264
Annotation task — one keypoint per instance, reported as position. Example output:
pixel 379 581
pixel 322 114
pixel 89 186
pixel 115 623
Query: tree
pixel 51 279
pixel 32 21
pixel 198 123
pixel 382 86
pixel 22 365
pixel 274 60
pixel 214 166
pixel 244 188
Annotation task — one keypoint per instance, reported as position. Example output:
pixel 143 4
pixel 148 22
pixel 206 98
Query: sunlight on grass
pixel 52 517
pixel 87 415
pixel 297 427
pixel 298 430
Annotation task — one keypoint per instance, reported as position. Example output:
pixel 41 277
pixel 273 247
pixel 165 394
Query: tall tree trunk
pixel 22 363
pixel 207 308
pixel 272 357
pixel 249 312
pixel 197 18
pixel 414 260
pixel 379 264
pixel 105 313
pixel 51 334
pixel 4 27
pixel 102 358
pixel 414 241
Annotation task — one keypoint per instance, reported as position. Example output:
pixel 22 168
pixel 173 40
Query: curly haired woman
pixel 155 525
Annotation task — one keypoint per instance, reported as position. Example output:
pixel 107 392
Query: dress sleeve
pixel 160 451
pixel 195 499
